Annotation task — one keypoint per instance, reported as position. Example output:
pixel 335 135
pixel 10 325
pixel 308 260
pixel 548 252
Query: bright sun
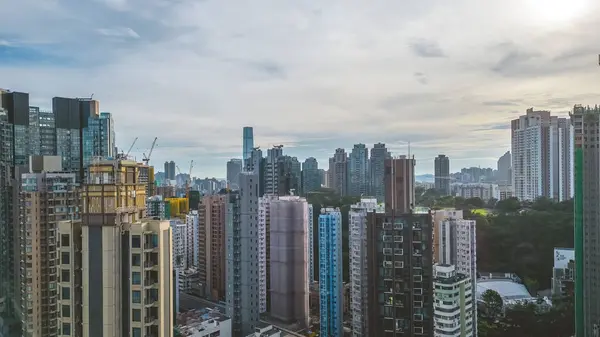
pixel 556 11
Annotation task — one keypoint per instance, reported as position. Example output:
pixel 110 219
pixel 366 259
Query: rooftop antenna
pixel 91 96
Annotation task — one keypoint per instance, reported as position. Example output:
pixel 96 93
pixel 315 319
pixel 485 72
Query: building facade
pixel 242 294
pixel 338 172
pixel 248 143
pixel 289 260
pixel 585 121
pixel 311 178
pixel 311 245
pixel 379 153
pixel 504 175
pixel 442 174
pixel 330 272
pixel 563 272
pixel 264 249
pixel 46 196
pixel 234 167
pixel 358 263
pixel 399 253
pixel 271 174
pixel 399 184
pixel 541 149
pixel 192 244
pixel 454 302
pixel 211 246
pixel 358 170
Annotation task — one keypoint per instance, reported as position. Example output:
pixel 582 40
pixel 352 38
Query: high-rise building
pixel 248 143
pixel 585 121
pixel 358 170
pixel 234 167
pixel 180 247
pixel 504 176
pixel 289 260
pixel 330 272
pixel 119 280
pixel 99 138
pixel 457 239
pixel 379 154
pixel 454 302
pixel 16 105
pixel 338 172
pixel 541 149
pixel 440 216
pixel 46 196
pixel 242 256
pixel 288 175
pixel 399 255
pixel 311 178
pixel 256 164
pixel 442 174
pixel 399 184
pixel 172 168
pixel 167 173
pixel 271 175
pixel 42 132
pixel 400 279
pixel 211 243
pixel 358 263
pixel 264 250
pixel 311 245
pixel 563 272
pixel 192 222
pixel 71 118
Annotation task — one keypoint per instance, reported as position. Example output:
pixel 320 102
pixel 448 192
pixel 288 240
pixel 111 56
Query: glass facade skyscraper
pixel 248 145
pixel 99 138
pixel 331 272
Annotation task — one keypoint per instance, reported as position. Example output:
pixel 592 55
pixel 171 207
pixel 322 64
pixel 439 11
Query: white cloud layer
pixel 313 75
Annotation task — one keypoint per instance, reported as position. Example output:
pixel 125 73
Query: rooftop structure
pixel 204 323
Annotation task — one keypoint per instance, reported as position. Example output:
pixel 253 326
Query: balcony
pixel 149 301
pixel 149 282
pixel 151 320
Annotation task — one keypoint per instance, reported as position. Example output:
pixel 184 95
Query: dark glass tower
pixel 248 137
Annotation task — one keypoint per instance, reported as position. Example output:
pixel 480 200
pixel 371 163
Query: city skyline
pixel 417 70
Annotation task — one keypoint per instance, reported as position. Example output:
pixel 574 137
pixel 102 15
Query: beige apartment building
pixel 118 280
pixel 46 196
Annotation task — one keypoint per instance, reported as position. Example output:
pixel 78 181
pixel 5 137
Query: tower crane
pixel 147 158
pixel 131 147
pixel 189 180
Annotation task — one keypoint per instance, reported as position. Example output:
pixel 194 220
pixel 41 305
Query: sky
pixel 312 75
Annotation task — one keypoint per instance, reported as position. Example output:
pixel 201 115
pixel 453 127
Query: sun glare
pixel 557 11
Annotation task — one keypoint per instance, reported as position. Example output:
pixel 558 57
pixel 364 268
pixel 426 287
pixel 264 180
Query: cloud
pixel 424 48
pixel 120 32
pixel 312 75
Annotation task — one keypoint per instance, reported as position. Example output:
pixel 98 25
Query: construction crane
pixel 146 159
pixel 131 147
pixel 189 180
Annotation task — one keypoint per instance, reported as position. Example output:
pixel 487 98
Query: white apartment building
pixel 453 303
pixel 180 238
pixel 264 219
pixel 477 190
pixel 192 219
pixel 542 156
pixel 358 263
pixel 457 245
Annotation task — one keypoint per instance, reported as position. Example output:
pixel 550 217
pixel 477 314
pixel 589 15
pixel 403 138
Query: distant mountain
pixel 425 178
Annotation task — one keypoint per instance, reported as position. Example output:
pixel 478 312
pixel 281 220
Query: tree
pixel 493 303
pixel 509 205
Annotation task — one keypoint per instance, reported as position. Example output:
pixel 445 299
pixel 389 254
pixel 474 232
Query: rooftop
pixel 509 290
pixel 199 320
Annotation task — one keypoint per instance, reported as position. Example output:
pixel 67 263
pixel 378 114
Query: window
pixel 66 329
pixel 64 257
pixel 66 293
pixel 136 241
pixel 136 278
pixel 136 315
pixel 136 296
pixel 136 260
pixel 64 240
pixel 136 332
pixel 65 275
pixel 66 310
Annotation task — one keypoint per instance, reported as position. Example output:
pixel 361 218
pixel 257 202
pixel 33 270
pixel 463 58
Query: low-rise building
pixel 204 323
pixel 265 330
pixel 476 190
pixel 453 294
